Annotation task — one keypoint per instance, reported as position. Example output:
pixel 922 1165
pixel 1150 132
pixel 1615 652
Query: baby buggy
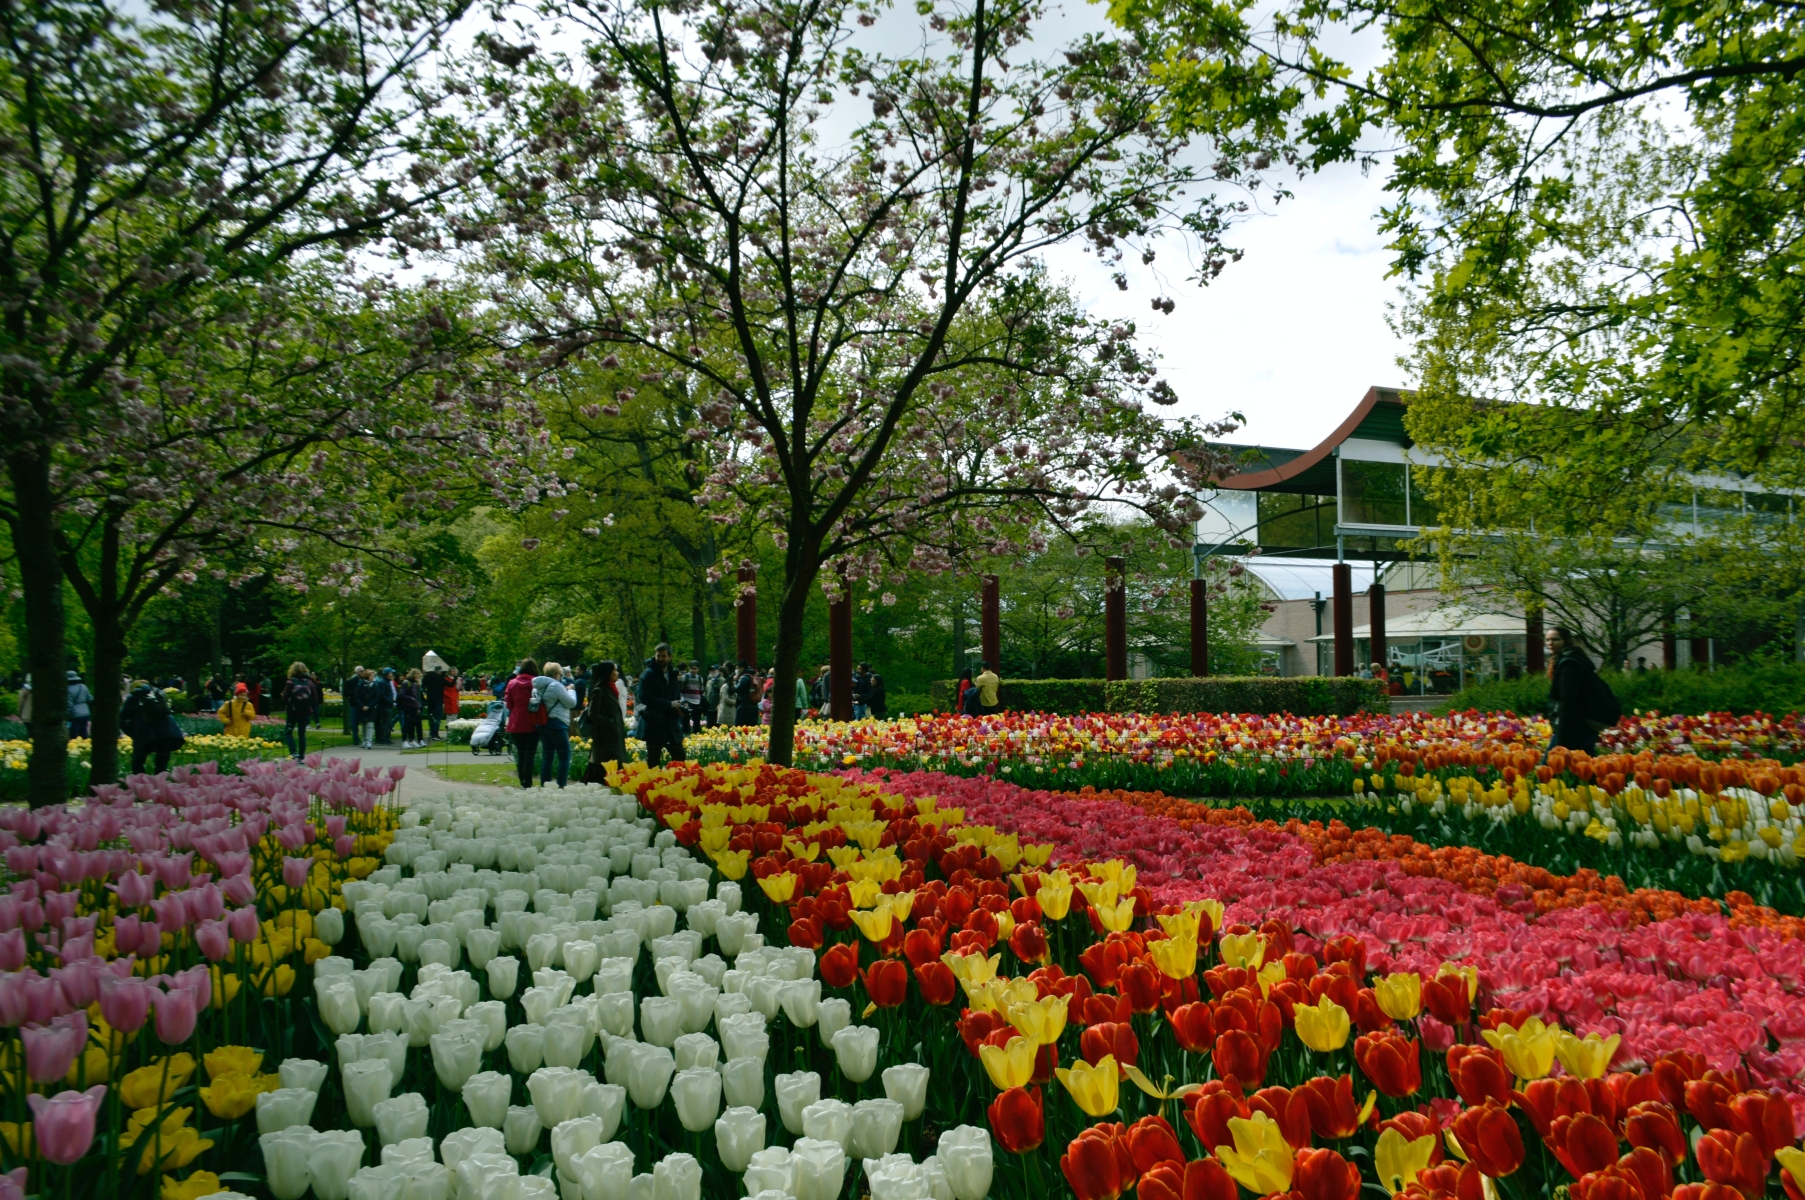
pixel 489 733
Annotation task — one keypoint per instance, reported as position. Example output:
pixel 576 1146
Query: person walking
pixel 433 679
pixel 1580 704
pixel 409 698
pixel 802 705
pixel 692 697
pixel 452 703
pixel 661 706
pixel 861 690
pixel 525 719
pixel 146 719
pixel 367 688
pixel 723 712
pixel 876 703
pixel 607 724
pixel 298 709
pixel 236 713
pixel 745 696
pixel 558 703
pixel 386 709
pixel 80 705
pixel 348 692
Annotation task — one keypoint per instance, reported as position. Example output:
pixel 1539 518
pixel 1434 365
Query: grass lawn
pixel 498 774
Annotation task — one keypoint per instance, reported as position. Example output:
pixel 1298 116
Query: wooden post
pixel 1535 650
pixel 991 626
pixel 1200 629
pixel 1115 619
pixel 1344 619
pixel 1701 654
pixel 1670 645
pixel 746 611
pixel 1375 616
pixel 839 654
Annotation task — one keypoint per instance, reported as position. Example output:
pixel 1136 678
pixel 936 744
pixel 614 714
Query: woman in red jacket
pixel 524 722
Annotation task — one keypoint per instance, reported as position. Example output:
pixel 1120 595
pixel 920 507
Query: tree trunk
pixel 698 620
pixel 801 571
pixel 216 640
pixel 109 662
pixel 41 577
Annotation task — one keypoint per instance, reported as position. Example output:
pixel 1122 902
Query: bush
pixel 9 704
pixel 1303 695
pixel 1771 687
pixel 1029 695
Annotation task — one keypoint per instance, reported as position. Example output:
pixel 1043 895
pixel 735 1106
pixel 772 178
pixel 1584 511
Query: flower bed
pixel 199 748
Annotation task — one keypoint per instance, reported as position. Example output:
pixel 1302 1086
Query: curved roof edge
pixel 1255 480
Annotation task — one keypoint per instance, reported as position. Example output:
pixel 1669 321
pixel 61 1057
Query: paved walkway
pixel 420 783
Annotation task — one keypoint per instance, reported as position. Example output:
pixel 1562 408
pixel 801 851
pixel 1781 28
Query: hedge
pixel 1304 695
pixel 1770 687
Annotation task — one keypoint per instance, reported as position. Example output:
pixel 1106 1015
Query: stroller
pixel 489 734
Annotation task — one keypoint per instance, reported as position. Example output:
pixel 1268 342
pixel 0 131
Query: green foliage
pixel 1754 686
pixel 1304 696
pixel 1030 695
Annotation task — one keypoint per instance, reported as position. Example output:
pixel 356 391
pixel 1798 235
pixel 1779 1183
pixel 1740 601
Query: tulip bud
pixel 739 1133
pixel 677 1177
pixel 481 946
pixel 333 1157
pixel 966 1156
pixel 385 1012
pixel 287 1161
pixel 284 1108
pixel 557 1093
pixel 876 1124
pixel 697 1094
pixel 895 1177
pixel 819 1169
pixel 521 1128
pixel 567 1037
pixel 336 1000
pixel 456 1057
pixel 486 1096
pixel 697 1050
pixel 504 976
pixel 828 1121
pixel 907 1084
pixel 329 926
pixel 604 1172
pixel 493 1016
pixel 744 1036
pixel 801 1002
pixel 743 1082
pixel 400 1118
pixel 526 1048
pixel 649 1070
pixel 661 1019
pixel 573 1138
pixel 303 1073
pixel 604 1102
pixel 366 1085
pixel 855 1050
pixel 835 1014
pixel 796 1092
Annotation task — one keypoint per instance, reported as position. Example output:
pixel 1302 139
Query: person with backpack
pixel 603 722
pixel 236 714
pixel 526 718
pixel 963 689
pixel 298 705
pixel 80 703
pixel 558 702
pixel 437 673
pixel 146 719
pixel 1580 704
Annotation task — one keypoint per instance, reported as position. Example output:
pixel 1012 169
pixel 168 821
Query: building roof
pixel 1304 578
pixel 1455 620
pixel 1378 417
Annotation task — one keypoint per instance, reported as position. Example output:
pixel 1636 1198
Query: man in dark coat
pixel 661 700
pixel 1571 689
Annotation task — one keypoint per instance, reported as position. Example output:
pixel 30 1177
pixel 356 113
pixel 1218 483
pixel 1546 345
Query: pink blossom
pixel 294 871
pixel 213 939
pixel 125 1002
pixel 64 1123
pixel 176 1013
pixel 50 1050
pixel 243 925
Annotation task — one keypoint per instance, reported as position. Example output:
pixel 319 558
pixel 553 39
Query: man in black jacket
pixel 661 701
pixel 1570 693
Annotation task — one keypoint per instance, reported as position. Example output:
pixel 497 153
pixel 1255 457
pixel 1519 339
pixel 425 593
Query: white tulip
pixel 730 1004
pixel 605 1172
pixel 303 1073
pixel 876 1124
pixel 521 1128
pixel 698 1000
pixel 557 1093
pixel 367 1084
pixel 423 1018
pixel 855 1050
pixel 697 1050
pixel 284 1108
pixel 702 917
pixel 835 1014
pixel 333 1158
pixel 400 1118
pixel 614 1013
pixel 796 1092
pixel 829 1121
pixel 468 1143
pixel 486 1096
pixel 407 1150
pixel 567 1038
pixel 733 930
pixel 820 1169
pixel 440 952
pixel 661 1019
pixel 743 1036
pixel 769 1170
pixel 677 1177
pixel 895 1177
pixel 456 1057
pixel 604 1102
pixel 697 1094
pixel 574 1137
pixel 482 945
pixel 743 1082
pixel 613 975
pixel 966 1156
pixel 801 1002
pixel 488 1177
pixel 378 1183
pixel 526 1048
pixel 537 1003
pixel 649 1070
pixel 426 1181
pixel 329 927
pixel 504 976
pixel 728 893
pixel 739 1133
pixel 766 993
pixel 541 950
pixel 336 999
pixel 907 1084
pixel 493 1016
pixel 385 1012
pixel 287 1161
pixel 938 1186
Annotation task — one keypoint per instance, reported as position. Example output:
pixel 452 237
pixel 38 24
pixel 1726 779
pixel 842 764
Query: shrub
pixel 1302 695
pixel 1029 695
pixel 1772 687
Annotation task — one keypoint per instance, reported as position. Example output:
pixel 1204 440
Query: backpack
pixel 973 707
pixel 1603 709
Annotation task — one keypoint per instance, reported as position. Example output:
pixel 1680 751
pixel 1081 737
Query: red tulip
pixel 1651 1172
pixel 1583 1143
pixel 1654 1125
pixel 887 982
pixel 921 946
pixel 1029 942
pixel 974 1027
pixel 1673 1071
pixel 1348 949
pixel 1414 1124
pixel 1152 1140
pixel 1709 1103
pixel 1705 1191
pixel 1765 1115
pixel 1289 1110
pixel 1097 1163
pixel 840 965
pixel 1194 1028
pixel 1735 1159
pixel 1111 1037
pixel 1446 999
pixel 1545 1100
pixel 1322 1174
pixel 1489 1135
pixel 939 986
pixel 1629 1090
pixel 1479 1074
pixel 1236 1053
pixel 1140 983
pixel 1204 1179
pixel 1100 1009
pixel 1368 1017
pixel 1208 1109
pixel 1102 961
pixel 1017 1120
pixel 808 932
pixel 1389 1059
pixel 1330 1101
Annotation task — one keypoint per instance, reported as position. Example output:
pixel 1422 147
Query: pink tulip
pixel 335 825
pixel 239 889
pixel 396 773
pixel 213 939
pixel 312 761
pixel 12 949
pixel 12 1184
pixel 344 845
pixel 124 1002
pixel 64 1123
pixel 15 1006
pixel 172 910
pixel 176 1013
pixel 50 1050
pixel 197 979
pixel 22 860
pixel 294 871
pixel 59 906
pixel 243 925
pixel 292 837
pixel 79 980
pixel 135 890
pixel 205 903
pixel 44 1000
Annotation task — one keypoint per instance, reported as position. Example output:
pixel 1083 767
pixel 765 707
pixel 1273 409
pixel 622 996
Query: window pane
pixel 1423 511
pixel 1717 505
pixel 1767 509
pixel 1372 493
pixel 1289 522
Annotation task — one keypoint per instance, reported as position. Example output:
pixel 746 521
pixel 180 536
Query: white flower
pixel 770 1170
pixel 743 1082
pixel 966 1156
pixel 801 1001
pixel 366 1085
pixel 697 1094
pixel 557 1093
pixel 907 1084
pixel 573 1138
pixel 284 1108
pixel 876 1124
pixel 661 1019
pixel 504 976
pixel 304 1073
pixel 743 1036
pixel 526 1047
pixel 493 1016
pixel 286 1161
pixel 697 1050
pixel 400 1118
pixel 677 1177
pixel 605 1172
pixel 739 1133
pixel 329 927
pixel 895 1177
pixel 835 1014
pixel 333 1157
pixel 486 1096
pixel 796 1092
pixel 604 1102
pixel 820 1169
pixel 855 1050
pixel 456 1056
pixel 649 1070
pixel 521 1129
pixel 828 1120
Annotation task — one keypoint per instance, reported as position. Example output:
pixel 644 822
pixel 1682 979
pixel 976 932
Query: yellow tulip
pixel 1175 957
pixel 864 892
pixel 1587 1058
pixel 1243 950
pixel 715 840
pixel 1400 1160
pixel 1792 1161
pixel 1054 902
pixel 1469 974
pixel 1100 895
pixel 153 1085
pixel 1260 1160
pixel 971 968
pixel 1179 924
pixel 874 923
pixel 276 982
pixel 1040 1021
pixel 998 995
pixel 1400 996
pixel 232 1096
pixel 1528 1050
pixel 1269 975
pixel 779 889
pixel 231 1060
pixel 1009 1066
pixel 1322 1026
pixel 1115 918
pixel 197 1185
pixel 902 904
pixel 1095 1090
pixel 1210 908
pixel 732 863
